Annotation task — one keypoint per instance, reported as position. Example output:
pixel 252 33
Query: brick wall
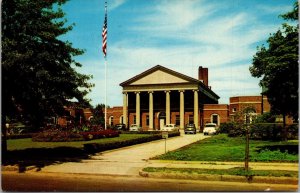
pixel 221 110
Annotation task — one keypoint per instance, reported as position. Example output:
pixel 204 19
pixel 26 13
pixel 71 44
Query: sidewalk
pixel 125 161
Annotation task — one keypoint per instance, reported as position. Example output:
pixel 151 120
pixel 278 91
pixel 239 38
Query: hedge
pixel 98 147
pixel 19 136
pixel 260 131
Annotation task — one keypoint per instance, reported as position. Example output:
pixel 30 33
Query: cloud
pixel 113 4
pixel 274 9
pixel 183 35
pixel 173 15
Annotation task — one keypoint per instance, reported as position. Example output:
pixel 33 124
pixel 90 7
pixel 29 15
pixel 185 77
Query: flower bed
pixel 89 135
pixel 64 136
pixel 56 136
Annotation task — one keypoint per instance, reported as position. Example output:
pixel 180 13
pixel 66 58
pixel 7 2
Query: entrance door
pixel 161 123
pixel 162 119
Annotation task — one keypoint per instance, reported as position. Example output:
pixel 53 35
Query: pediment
pixel 159 77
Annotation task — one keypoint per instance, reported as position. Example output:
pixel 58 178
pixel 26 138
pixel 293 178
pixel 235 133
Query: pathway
pixel 124 161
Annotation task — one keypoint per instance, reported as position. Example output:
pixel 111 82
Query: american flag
pixel 104 32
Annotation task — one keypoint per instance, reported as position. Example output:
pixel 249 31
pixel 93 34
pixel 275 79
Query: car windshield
pixel 210 126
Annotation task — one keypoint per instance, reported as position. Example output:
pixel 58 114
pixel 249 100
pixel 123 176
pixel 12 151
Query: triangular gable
pixel 159 75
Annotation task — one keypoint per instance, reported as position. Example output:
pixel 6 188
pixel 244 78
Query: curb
pixel 227 178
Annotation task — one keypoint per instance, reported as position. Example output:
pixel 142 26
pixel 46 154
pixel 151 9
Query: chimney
pixel 203 75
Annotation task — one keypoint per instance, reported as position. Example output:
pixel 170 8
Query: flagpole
pixel 104 45
pixel 105 115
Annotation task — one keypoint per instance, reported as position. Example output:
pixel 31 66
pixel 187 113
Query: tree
pixel 277 64
pixel 98 115
pixel 38 69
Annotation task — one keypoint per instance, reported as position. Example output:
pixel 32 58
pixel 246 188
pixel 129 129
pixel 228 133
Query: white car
pixel 170 127
pixel 134 127
pixel 210 129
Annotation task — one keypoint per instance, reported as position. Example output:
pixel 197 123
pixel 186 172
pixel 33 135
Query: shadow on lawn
pixel 41 157
pixel 290 149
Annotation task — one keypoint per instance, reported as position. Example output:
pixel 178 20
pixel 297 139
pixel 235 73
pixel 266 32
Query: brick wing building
pixel 160 96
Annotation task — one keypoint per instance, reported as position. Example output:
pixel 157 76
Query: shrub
pixel 265 131
pixel 226 127
pixel 56 136
pixel 89 135
pixel 272 131
pixel 293 131
pixel 19 136
pixel 97 147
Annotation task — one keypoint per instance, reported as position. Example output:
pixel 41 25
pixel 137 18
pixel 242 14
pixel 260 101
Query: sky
pixel 182 35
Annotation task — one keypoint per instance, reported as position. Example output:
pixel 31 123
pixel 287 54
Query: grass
pixel 231 171
pixel 223 148
pixel 25 152
pixel 21 144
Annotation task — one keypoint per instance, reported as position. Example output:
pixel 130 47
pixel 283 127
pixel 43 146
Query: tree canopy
pixel 277 64
pixel 38 68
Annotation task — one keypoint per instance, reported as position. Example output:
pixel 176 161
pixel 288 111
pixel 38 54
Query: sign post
pixel 165 135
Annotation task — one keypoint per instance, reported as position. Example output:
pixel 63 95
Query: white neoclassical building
pixel 160 96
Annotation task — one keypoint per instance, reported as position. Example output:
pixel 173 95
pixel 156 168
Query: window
pixel 147 120
pixel 250 117
pixel 234 109
pixel 111 120
pixel 134 119
pixel 191 119
pixel 215 119
pixel 121 119
pixel 177 121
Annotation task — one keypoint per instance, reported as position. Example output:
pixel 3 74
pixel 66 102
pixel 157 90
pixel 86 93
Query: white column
pixel 167 107
pixel 151 110
pixel 181 109
pixel 125 109
pixel 196 109
pixel 138 108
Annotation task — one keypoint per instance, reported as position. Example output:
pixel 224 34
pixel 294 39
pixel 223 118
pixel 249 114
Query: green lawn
pixel 223 148
pixel 20 144
pixel 231 171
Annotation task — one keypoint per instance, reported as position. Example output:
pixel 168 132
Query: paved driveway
pixel 124 161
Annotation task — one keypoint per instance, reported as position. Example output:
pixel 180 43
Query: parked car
pixel 134 127
pixel 170 127
pixel 190 128
pixel 210 129
pixel 120 127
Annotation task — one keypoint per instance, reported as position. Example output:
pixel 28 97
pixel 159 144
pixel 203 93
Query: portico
pixel 161 96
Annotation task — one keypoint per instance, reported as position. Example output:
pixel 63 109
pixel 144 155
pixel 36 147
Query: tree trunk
pixel 4 136
pixel 247 149
pixel 284 128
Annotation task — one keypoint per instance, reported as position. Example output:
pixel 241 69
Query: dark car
pixel 120 127
pixel 190 128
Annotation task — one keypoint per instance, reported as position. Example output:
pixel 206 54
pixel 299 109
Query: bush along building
pixel 160 96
